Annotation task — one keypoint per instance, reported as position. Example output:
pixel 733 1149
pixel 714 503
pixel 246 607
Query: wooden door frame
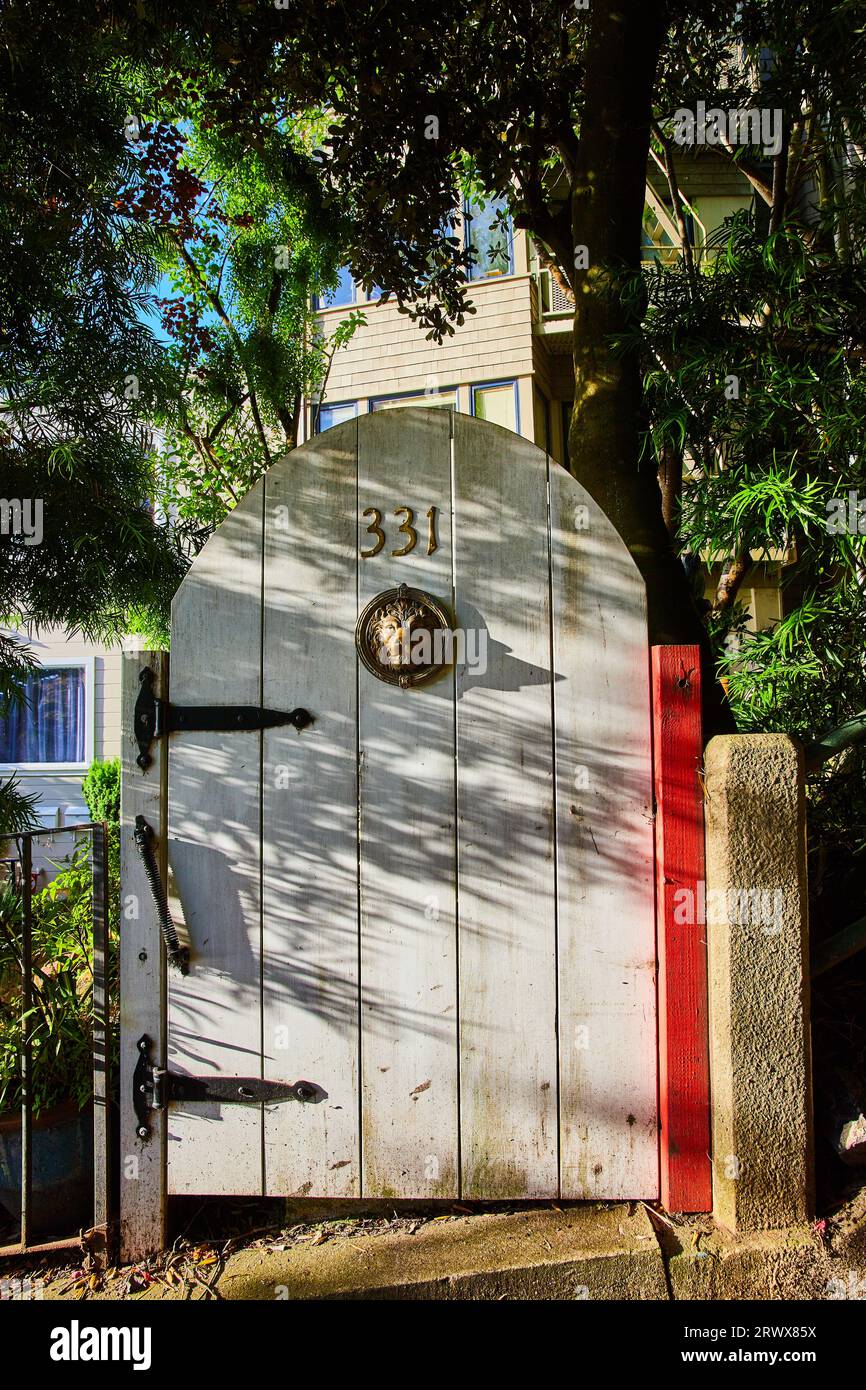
pixel 143 1172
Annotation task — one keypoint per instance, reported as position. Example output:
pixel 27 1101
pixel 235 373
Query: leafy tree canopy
pixel 243 246
pixel 79 371
pixel 118 451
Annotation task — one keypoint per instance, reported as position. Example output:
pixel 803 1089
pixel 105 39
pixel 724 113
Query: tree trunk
pixel 670 476
pixel 607 217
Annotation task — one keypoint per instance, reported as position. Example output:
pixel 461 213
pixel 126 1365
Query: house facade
pixel 510 362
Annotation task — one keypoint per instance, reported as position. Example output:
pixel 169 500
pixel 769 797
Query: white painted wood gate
pixel 434 904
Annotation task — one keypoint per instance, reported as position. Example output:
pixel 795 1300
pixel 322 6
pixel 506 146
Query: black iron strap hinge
pixel 153 1087
pixel 154 718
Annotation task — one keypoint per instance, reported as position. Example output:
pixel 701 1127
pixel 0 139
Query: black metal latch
pixel 155 717
pixel 153 1087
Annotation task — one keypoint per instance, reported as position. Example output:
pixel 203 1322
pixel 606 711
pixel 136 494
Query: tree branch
pixel 223 420
pixel 744 167
pixel 780 179
pixel 731 580
pixel 676 201
pixel 206 454
pixel 552 265
pixel 219 309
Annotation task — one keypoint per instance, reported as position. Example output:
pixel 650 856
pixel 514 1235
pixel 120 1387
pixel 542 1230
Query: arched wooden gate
pixel 434 905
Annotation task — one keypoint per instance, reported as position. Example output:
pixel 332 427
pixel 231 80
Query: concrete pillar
pixel 758 957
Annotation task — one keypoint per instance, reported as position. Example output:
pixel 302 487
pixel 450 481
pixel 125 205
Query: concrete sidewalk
pixel 583 1252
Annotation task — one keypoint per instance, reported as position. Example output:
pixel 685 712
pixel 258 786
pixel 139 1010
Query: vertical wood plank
pixel 684 1073
pixel 214 788
pixel 506 881
pixel 605 876
pixel 143 1202
pixel 407 892
pixel 310 819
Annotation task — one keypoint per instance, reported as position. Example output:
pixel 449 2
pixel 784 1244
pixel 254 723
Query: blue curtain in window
pixel 48 726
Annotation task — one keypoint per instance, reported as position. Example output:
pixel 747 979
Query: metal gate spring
pixel 178 955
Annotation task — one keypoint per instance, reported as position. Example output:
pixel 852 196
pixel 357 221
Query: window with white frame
pixel 497 401
pixel 52 725
pixel 327 415
pixel 443 399
pixel 344 293
pixel 488 233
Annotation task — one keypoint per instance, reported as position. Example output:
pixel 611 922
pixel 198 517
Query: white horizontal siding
pixel 390 355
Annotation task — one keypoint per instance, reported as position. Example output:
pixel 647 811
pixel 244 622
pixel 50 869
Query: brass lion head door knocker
pixel 404 637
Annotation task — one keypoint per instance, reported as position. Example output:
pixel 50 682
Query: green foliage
pixel 61 1021
pixel 154 627
pixel 117 188
pixel 18 811
pixel 490 96
pixel 101 790
pixel 766 462
pixel 17 662
pixel 755 372
pixel 243 243
pixel 80 373
pixel 62 1017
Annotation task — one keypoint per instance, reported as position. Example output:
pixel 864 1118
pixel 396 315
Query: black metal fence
pixel 101 1045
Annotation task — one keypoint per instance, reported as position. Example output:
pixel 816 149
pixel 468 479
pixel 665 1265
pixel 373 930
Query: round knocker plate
pixel 404 637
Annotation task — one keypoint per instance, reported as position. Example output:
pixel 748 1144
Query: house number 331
pixel 406 528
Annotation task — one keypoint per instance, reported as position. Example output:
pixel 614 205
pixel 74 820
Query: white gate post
pixel 142 970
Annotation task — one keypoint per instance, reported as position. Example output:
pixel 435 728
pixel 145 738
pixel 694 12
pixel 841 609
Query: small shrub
pixel 101 789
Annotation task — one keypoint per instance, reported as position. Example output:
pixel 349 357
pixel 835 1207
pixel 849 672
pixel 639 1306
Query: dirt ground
pixel 211 1233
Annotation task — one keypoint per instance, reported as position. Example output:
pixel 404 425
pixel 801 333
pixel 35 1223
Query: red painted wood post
pixel 684 1065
